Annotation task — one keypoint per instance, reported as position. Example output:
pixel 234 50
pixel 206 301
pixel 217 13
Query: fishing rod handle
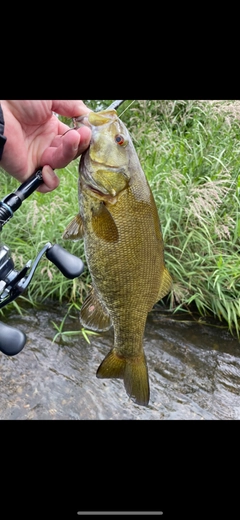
pixel 13 201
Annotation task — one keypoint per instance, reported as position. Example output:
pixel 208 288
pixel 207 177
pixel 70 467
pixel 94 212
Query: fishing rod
pixel 115 104
pixel 13 282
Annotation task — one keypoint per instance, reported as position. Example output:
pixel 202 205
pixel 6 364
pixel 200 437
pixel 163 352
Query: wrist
pixel 2 137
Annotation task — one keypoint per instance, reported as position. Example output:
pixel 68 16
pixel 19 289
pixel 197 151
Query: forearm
pixel 3 138
pixel 13 158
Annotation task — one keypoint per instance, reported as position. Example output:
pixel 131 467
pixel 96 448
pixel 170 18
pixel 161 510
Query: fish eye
pixel 120 139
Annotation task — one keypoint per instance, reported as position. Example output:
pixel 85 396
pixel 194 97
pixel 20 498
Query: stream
pixel 194 371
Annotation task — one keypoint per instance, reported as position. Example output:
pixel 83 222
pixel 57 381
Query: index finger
pixel 70 108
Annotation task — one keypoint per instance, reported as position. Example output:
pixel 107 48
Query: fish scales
pixel 119 222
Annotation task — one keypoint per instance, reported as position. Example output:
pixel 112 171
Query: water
pixel 194 372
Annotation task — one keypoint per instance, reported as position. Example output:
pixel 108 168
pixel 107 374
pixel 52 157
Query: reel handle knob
pixel 12 340
pixel 70 265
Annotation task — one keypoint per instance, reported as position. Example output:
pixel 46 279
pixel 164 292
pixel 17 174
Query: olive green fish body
pixel 124 249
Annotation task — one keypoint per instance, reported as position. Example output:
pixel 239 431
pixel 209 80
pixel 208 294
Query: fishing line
pixel 127 107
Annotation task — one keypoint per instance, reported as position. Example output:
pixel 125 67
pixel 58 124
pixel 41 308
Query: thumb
pixel 50 180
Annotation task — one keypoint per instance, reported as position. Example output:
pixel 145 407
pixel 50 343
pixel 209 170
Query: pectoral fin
pixel 74 230
pixel 165 285
pixel 103 224
pixel 93 314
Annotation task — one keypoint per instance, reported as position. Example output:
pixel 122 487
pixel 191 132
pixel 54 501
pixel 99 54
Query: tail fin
pixel 133 371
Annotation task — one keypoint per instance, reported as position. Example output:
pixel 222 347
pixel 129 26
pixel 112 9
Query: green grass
pixel 189 151
pixel 194 175
pixel 60 328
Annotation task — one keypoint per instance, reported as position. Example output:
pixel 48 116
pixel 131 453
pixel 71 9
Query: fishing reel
pixel 13 282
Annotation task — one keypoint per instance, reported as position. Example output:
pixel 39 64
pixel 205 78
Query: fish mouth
pixel 81 121
pixel 95 118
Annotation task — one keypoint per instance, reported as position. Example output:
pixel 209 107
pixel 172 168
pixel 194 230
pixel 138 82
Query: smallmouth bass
pixel 119 222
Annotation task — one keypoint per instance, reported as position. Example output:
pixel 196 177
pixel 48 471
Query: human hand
pixel 37 138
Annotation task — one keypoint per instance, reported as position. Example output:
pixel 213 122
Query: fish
pixel 124 250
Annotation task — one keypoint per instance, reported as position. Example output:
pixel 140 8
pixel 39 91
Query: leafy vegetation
pixel 189 151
